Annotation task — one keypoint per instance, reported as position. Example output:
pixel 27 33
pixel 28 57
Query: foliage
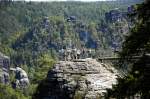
pixel 27 29
pixel 78 95
pixel 136 44
pixel 45 63
pixel 32 33
pixel 6 92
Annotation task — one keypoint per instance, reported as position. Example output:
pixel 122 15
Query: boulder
pixel 21 77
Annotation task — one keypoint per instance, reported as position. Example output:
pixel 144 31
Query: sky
pixel 66 0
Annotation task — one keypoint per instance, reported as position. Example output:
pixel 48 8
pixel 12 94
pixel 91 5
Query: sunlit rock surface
pixel 85 77
pixel 21 77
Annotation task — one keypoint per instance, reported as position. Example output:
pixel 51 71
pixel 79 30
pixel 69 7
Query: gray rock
pixel 86 76
pixel 4 68
pixel 4 76
pixel 22 80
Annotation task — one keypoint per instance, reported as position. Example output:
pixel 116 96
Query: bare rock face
pixel 86 78
pixel 21 77
pixel 4 68
pixel 4 76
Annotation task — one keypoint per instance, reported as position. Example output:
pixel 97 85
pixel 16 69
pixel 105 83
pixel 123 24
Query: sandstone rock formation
pixel 4 76
pixel 4 68
pixel 22 80
pixel 69 79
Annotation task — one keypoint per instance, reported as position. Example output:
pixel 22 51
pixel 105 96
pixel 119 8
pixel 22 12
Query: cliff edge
pixel 86 78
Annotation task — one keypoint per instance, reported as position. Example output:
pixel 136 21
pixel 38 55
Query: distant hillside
pixel 32 33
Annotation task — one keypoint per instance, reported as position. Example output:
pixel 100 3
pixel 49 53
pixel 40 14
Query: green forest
pixel 32 33
pixel 136 82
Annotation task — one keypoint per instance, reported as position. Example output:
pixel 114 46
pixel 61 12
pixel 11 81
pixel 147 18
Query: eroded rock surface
pixel 85 77
pixel 4 68
pixel 21 77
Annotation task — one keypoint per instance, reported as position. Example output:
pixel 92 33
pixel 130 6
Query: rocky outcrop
pixel 4 68
pixel 21 77
pixel 86 78
pixel 4 76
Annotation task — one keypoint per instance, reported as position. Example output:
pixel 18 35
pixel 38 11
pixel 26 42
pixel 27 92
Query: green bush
pixel 6 92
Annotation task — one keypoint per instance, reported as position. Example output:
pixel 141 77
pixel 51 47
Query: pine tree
pixel 136 44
